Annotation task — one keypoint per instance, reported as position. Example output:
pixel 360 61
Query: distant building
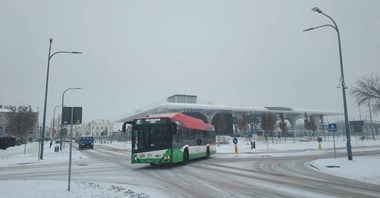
pixel 363 128
pixel 32 133
pixel 223 115
pixel 97 128
pixel 100 128
pixel 82 129
pixel 182 99
pixel 55 126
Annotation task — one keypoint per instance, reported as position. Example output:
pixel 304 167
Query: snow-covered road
pixel 106 172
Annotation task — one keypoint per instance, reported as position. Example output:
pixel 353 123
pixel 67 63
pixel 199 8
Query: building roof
pixel 5 110
pixel 189 107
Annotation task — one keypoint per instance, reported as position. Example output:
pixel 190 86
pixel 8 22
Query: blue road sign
pixel 332 127
pixel 235 140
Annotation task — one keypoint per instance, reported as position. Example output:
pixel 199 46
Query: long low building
pixel 214 114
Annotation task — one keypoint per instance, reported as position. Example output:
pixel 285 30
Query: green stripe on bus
pixel 177 157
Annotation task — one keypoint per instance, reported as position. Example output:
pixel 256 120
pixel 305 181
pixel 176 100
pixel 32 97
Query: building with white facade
pixel 212 114
pixel 101 128
pixel 97 128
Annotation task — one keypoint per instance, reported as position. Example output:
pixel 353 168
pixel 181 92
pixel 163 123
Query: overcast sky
pixel 136 53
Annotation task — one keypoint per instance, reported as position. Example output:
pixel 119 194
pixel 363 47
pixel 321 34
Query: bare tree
pixel 322 125
pixel 268 122
pixel 367 90
pixel 313 124
pixel 20 121
pixel 222 126
pixel 243 122
pixel 310 124
pixel 283 125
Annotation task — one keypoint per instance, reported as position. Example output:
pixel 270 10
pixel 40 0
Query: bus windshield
pixel 152 137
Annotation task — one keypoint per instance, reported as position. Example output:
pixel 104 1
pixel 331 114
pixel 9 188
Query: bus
pixel 170 139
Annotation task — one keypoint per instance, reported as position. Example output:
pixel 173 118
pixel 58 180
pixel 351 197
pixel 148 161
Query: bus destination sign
pixel 148 121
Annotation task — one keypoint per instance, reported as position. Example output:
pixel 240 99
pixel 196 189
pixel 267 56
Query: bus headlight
pixel 167 157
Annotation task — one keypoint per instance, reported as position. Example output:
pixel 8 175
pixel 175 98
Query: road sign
pixel 72 115
pixel 235 140
pixel 332 127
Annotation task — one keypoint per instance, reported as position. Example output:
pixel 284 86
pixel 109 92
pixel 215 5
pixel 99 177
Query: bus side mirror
pixel 124 128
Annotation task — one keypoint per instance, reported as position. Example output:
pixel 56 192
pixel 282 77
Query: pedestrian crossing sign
pixel 332 127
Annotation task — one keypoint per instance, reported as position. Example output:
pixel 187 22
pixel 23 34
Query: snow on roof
pixel 247 109
pixel 5 110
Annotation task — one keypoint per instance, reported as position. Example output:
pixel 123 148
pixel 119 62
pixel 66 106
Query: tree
pixel 313 124
pixel 306 125
pixel 20 120
pixel 322 125
pixel 367 91
pixel 309 124
pixel 267 124
pixel 222 126
pixel 283 125
pixel 242 122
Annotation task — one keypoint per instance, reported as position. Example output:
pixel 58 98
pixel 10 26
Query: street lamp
pixel 343 85
pixel 54 118
pixel 46 92
pixel 63 99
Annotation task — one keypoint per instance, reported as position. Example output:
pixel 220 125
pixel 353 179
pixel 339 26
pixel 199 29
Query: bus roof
pixel 187 121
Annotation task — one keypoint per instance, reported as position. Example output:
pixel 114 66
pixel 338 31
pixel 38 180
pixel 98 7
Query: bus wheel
pixel 185 157
pixel 152 164
pixel 208 153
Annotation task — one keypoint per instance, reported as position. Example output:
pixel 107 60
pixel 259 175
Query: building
pixel 100 128
pixel 32 133
pixel 97 128
pixel 215 114
pixel 52 131
pixel 362 128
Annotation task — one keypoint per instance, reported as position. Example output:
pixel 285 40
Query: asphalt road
pixel 214 177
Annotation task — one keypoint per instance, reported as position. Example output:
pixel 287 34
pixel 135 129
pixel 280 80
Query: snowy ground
pixel 363 169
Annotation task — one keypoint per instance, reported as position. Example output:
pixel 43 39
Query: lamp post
pixel 46 92
pixel 54 118
pixel 343 85
pixel 63 99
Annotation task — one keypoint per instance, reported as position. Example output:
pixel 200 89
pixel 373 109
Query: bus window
pixel 198 137
pixel 162 137
pixel 152 138
pixel 135 140
pixel 175 133
pixel 174 129
pixel 182 135
pixel 143 133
